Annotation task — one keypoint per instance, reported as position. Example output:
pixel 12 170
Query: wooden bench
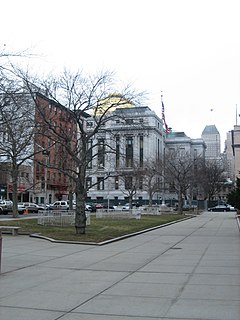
pixel 11 228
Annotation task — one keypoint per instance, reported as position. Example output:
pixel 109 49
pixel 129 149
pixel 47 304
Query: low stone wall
pixel 157 210
pixel 118 214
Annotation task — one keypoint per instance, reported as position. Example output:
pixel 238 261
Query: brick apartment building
pixel 54 128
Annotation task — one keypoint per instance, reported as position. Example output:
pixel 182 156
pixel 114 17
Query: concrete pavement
pixel 188 270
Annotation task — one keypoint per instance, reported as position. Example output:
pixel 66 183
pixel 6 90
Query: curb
pixel 40 236
pixel 238 220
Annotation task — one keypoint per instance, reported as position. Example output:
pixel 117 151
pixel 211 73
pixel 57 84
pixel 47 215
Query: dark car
pixel 219 208
pixel 90 207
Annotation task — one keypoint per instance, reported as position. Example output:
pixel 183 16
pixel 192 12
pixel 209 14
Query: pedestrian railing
pixel 59 218
pixel 56 217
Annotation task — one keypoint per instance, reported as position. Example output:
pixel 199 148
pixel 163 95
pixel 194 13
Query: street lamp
pixel 108 174
pixel 46 153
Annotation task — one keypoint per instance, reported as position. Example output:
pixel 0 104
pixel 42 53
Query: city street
pixel 187 270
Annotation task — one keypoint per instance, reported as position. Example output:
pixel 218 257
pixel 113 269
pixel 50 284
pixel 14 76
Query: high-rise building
pixel 211 137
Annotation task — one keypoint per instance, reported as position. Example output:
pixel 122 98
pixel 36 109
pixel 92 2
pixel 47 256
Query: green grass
pixel 99 229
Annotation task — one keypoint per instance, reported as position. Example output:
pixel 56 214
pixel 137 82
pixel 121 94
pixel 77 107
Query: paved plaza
pixel 187 270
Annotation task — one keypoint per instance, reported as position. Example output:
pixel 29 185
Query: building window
pixel 89 182
pixel 195 154
pixel 129 121
pixel 101 151
pixel 43 183
pixel 141 182
pixel 128 182
pixel 89 154
pixel 37 168
pixel 117 151
pixel 141 152
pixel 116 183
pixel 100 183
pixel 129 152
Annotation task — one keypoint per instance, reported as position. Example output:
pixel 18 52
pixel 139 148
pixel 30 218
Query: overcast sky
pixel 188 50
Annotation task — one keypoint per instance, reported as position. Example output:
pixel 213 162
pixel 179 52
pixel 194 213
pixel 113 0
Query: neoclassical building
pixel 179 140
pixel 137 136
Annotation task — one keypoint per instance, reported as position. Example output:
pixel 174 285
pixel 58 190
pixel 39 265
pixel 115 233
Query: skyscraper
pixel 211 137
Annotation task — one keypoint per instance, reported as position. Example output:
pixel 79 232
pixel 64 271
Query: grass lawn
pixel 99 229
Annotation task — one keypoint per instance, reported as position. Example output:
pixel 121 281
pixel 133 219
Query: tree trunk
pixel 180 202
pixel 14 190
pixel 150 199
pixel 80 218
pixel 70 195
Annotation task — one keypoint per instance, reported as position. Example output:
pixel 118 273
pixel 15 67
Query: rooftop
pixel 210 129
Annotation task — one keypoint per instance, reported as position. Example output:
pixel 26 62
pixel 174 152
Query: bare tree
pixel 16 130
pixel 210 174
pixel 179 169
pixel 131 181
pixel 82 97
pixel 153 175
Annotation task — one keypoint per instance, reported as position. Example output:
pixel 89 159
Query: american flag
pixel 164 120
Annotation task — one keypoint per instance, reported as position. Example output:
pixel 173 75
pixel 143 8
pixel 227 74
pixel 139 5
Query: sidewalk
pixel 188 270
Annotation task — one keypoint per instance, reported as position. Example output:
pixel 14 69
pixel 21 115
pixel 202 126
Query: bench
pixel 11 228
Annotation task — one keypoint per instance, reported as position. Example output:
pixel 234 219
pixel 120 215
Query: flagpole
pixel 163 162
pixel 236 116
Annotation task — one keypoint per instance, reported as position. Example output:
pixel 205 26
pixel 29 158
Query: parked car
pixel 90 207
pixel 43 206
pixel 127 206
pixel 231 208
pixel 5 206
pixel 99 206
pixel 105 206
pixel 59 205
pixel 186 207
pixel 32 207
pixel 218 208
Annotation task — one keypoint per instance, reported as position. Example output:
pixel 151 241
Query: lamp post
pixel 108 200
pixel 46 153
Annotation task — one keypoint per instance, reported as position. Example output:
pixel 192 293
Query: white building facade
pixel 136 136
